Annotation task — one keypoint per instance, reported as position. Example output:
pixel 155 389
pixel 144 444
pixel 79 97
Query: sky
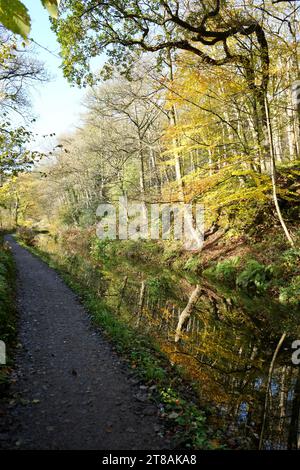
pixel 56 105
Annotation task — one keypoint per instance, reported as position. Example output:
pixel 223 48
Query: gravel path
pixel 71 391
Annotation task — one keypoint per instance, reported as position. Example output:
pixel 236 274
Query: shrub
pixel 255 277
pixel 159 287
pixel 225 271
pixel 103 252
pixel 290 259
pixel 291 294
pixel 192 264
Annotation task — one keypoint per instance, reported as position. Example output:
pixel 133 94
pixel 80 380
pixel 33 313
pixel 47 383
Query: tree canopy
pixel 215 31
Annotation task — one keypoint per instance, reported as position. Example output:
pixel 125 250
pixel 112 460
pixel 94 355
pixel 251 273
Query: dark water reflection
pixel 224 342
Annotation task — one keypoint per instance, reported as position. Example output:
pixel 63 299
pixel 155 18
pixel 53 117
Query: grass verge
pixel 7 310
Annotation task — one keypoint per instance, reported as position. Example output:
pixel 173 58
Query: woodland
pixel 193 103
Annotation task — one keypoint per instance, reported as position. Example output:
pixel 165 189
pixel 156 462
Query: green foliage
pixel 15 157
pixel 290 259
pixel 191 421
pixel 15 17
pixel 51 6
pixel 290 295
pixel 7 304
pixel 107 252
pixel 103 251
pixel 159 287
pixel 192 264
pixel 279 277
pixel 255 277
pixel 6 275
pixel 225 271
pixel 171 252
pixel 150 367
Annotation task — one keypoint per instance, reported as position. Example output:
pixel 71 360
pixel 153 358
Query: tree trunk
pixel 141 303
pixel 273 176
pixel 186 313
pixel 261 439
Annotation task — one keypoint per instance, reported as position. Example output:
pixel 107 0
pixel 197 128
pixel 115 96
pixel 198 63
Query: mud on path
pixel 71 391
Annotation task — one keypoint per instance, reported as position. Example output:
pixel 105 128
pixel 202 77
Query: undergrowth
pixel 7 308
pixel 278 276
